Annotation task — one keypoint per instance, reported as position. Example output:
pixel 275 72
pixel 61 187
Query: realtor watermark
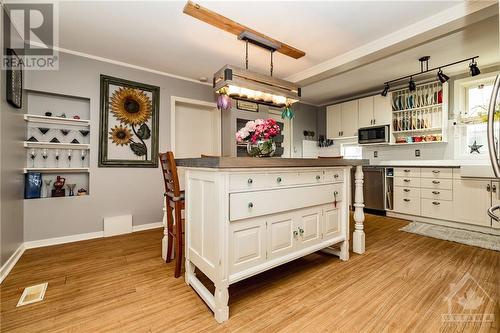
pixel 467 302
pixel 30 30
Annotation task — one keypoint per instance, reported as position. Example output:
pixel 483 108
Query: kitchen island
pixel 247 215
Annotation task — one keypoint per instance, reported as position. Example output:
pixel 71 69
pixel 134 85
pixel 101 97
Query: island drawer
pixel 437 194
pixel 257 203
pixel 407 181
pixel 247 181
pixel 444 184
pixel 436 173
pixel 438 209
pixel 407 205
pixel 334 176
pixel 407 172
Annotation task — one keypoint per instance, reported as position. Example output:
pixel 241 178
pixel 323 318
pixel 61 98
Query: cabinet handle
pixel 435 203
pixel 339 133
pixel 494 188
pixel 406 170
pixel 488 187
pixel 435 192
pixel 406 200
pixel 278 179
pixel 406 180
pixel 435 171
pixel 250 205
pixel 374 121
pixel 335 176
pixel 406 190
pixel 250 180
pixel 301 231
pixel 318 177
pixel 295 233
pixel 436 182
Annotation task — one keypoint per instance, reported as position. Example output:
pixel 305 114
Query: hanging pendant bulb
pixel 224 102
pixel 287 112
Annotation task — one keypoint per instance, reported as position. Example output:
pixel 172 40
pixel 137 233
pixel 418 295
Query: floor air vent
pixel 33 294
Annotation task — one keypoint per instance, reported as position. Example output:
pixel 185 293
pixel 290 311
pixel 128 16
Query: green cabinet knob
pixel 250 180
pixel 250 204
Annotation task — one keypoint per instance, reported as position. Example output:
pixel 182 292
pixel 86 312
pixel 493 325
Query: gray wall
pixel 113 191
pixel 305 119
pixel 11 178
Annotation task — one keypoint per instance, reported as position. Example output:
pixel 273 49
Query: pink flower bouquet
pixel 258 134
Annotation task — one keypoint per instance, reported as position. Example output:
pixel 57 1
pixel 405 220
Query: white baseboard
pixel 142 227
pixel 62 240
pixel 11 262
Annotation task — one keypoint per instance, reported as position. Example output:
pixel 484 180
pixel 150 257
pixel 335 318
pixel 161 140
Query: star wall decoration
pixel 474 148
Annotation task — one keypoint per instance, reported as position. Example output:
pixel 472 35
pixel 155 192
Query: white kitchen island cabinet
pixel 247 215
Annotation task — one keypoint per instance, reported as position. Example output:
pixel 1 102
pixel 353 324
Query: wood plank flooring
pixel 121 284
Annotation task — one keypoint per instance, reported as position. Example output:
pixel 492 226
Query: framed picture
pixel 128 134
pixel 14 84
pixel 247 106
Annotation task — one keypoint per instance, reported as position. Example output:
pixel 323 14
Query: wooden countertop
pixel 270 162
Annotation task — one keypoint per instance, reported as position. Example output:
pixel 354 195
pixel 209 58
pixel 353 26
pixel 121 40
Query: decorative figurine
pixel 57 158
pixel 45 154
pixel 65 131
pixel 48 114
pixel 84 132
pixel 81 192
pixel 63 115
pixel 71 188
pixel 58 190
pixel 83 154
pixel 70 154
pixel 76 117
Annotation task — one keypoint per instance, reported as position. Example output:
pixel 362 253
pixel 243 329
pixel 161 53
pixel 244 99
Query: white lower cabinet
pixel 331 222
pixel 247 242
pixel 439 209
pixel 471 200
pixel 280 235
pixel 406 204
pixel 309 225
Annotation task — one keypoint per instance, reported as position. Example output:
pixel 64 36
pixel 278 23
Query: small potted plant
pixel 258 136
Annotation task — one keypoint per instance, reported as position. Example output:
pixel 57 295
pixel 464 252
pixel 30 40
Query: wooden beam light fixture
pixel 226 24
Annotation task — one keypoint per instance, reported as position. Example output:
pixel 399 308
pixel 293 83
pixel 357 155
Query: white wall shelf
pixel 431 129
pixel 56 120
pixel 419 108
pixel 57 170
pixel 56 145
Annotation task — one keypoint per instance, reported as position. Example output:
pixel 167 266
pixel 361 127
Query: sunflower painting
pixel 129 123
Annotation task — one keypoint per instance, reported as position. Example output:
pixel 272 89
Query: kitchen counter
pixel 253 162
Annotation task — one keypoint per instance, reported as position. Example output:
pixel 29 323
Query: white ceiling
pixel 480 39
pixel 157 35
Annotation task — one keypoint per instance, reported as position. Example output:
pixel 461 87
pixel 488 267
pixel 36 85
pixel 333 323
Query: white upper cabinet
pixel 333 121
pixel 350 118
pixel 382 114
pixel 344 119
pixel 366 112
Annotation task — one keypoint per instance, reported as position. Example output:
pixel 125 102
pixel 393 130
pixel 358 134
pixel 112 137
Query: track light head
pixel 442 76
pixel 385 91
pixel 473 69
pixel 411 85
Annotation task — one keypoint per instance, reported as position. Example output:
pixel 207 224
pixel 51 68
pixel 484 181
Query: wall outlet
pixel 375 153
pixel 417 152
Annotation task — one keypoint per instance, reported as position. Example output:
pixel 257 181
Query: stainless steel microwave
pixel 374 134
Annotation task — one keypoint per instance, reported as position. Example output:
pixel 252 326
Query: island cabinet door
pixel 281 235
pixel 309 227
pixel 247 244
pixel 331 222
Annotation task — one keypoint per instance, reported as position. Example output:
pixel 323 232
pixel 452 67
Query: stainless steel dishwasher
pixel 373 187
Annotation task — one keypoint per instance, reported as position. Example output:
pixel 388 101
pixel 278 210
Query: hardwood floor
pixel 121 284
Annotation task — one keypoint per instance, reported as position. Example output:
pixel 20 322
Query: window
pixel 472 109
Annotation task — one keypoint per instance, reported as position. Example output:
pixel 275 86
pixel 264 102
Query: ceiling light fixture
pixel 442 76
pixel 242 84
pixel 424 68
pixel 411 85
pixel 385 91
pixel 473 69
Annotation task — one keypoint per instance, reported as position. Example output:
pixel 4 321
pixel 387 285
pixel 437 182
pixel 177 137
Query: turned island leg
pixel 358 240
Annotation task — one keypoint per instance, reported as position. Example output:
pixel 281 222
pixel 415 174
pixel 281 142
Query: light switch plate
pixel 417 152
pixel 375 153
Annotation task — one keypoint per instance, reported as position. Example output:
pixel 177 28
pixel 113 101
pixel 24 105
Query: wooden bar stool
pixel 175 203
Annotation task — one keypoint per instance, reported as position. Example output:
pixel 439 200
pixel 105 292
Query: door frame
pixel 173 103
